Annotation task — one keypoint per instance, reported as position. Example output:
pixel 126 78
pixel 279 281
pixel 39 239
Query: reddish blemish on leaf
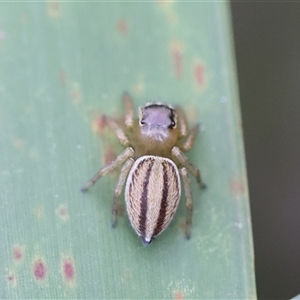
pixel 33 154
pixel 53 9
pixel 177 57
pixel 168 9
pixel 99 123
pixel 178 295
pixel 39 269
pixel 39 212
pixel 199 74
pixel 17 253
pixel 122 26
pixel 139 88
pixel 11 278
pixel 237 187
pixel 62 212
pixel 109 156
pixel 63 77
pixel 75 92
pixel 68 270
pixel 18 143
pixel 75 95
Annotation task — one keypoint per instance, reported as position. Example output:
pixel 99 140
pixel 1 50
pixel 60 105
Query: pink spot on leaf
pixel 11 278
pixel 63 77
pixel 177 57
pixel 199 74
pixel 17 253
pixel 109 156
pixel 39 212
pixel 68 270
pixel 62 212
pixel 75 95
pixel 237 187
pixel 122 26
pixel 75 92
pixel 39 269
pixel 53 9
pixel 101 122
pixel 178 295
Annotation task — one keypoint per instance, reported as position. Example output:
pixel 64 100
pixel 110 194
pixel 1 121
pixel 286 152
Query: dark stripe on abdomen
pixel 164 202
pixel 144 196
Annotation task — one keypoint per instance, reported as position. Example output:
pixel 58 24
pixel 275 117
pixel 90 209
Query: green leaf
pixel 63 65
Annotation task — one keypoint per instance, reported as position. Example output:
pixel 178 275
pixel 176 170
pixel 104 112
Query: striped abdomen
pixel 152 195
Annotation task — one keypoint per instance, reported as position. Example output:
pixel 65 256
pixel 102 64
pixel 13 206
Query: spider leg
pixel 118 130
pixel 128 121
pixel 129 110
pixel 121 158
pixel 118 189
pixel 182 122
pixel 178 154
pixel 190 138
pixel 189 201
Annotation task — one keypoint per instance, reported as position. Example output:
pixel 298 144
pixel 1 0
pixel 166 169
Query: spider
pixel 153 161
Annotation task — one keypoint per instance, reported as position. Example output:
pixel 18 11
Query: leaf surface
pixel 63 66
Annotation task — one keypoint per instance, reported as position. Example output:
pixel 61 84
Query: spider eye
pixel 142 122
pixel 172 124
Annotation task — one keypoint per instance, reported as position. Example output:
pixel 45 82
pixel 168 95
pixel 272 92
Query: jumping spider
pixel 152 161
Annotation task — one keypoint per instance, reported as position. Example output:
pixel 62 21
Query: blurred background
pixel 267 43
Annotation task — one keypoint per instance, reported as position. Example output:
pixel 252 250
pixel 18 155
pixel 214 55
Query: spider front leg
pixel 182 122
pixel 121 158
pixel 189 201
pixel 129 110
pixel 118 189
pixel 178 154
pixel 118 130
pixel 190 138
pixel 128 121
pixel 187 136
